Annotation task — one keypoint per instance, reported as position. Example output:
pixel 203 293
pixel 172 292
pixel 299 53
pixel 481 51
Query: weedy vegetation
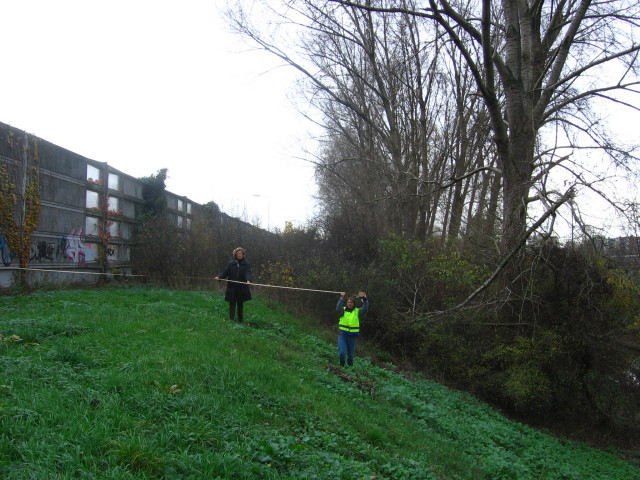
pixel 142 383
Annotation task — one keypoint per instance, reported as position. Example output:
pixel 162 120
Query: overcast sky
pixel 151 84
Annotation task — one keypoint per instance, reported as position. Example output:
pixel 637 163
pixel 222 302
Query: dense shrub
pixel 567 343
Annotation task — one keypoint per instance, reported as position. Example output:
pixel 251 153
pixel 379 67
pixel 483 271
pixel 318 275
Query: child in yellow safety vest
pixel 349 325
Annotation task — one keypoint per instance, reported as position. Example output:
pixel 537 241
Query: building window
pixel 93 199
pixel 188 208
pixel 93 174
pixel 125 230
pixel 180 205
pixel 114 181
pixel 114 229
pixel 114 204
pixel 91 226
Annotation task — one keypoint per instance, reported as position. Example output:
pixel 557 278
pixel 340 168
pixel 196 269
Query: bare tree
pixel 537 65
pixel 386 98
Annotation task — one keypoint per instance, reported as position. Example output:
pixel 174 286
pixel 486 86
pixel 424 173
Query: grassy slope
pixel 153 383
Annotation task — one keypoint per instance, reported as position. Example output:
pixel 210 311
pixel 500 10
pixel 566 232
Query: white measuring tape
pixel 190 278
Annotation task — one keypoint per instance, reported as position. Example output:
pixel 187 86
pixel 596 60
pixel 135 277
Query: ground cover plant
pixel 155 383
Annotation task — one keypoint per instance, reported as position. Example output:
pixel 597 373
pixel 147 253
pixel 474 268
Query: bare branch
pixel 504 262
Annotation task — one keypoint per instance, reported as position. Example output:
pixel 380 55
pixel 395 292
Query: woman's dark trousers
pixel 236 306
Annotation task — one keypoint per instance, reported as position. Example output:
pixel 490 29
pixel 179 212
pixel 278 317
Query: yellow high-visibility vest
pixel 350 322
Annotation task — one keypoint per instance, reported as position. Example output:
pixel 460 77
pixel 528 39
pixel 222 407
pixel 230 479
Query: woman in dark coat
pixel 238 270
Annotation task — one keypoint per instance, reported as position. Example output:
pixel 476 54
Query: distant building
pixel 622 247
pixel 625 251
pixel 82 200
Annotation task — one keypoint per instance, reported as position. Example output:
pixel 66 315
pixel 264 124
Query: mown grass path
pixel 154 383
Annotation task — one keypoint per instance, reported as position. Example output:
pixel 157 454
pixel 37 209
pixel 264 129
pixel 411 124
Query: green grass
pixel 153 383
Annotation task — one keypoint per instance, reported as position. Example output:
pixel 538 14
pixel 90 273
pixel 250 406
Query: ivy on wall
pixel 104 233
pixel 20 207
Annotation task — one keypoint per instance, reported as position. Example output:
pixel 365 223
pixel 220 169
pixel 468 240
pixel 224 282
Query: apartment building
pixel 84 204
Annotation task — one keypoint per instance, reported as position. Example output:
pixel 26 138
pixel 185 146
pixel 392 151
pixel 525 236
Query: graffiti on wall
pixel 71 248
pixel 7 255
pixel 41 251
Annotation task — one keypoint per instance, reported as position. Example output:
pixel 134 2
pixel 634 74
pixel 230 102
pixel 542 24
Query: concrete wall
pixel 73 188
